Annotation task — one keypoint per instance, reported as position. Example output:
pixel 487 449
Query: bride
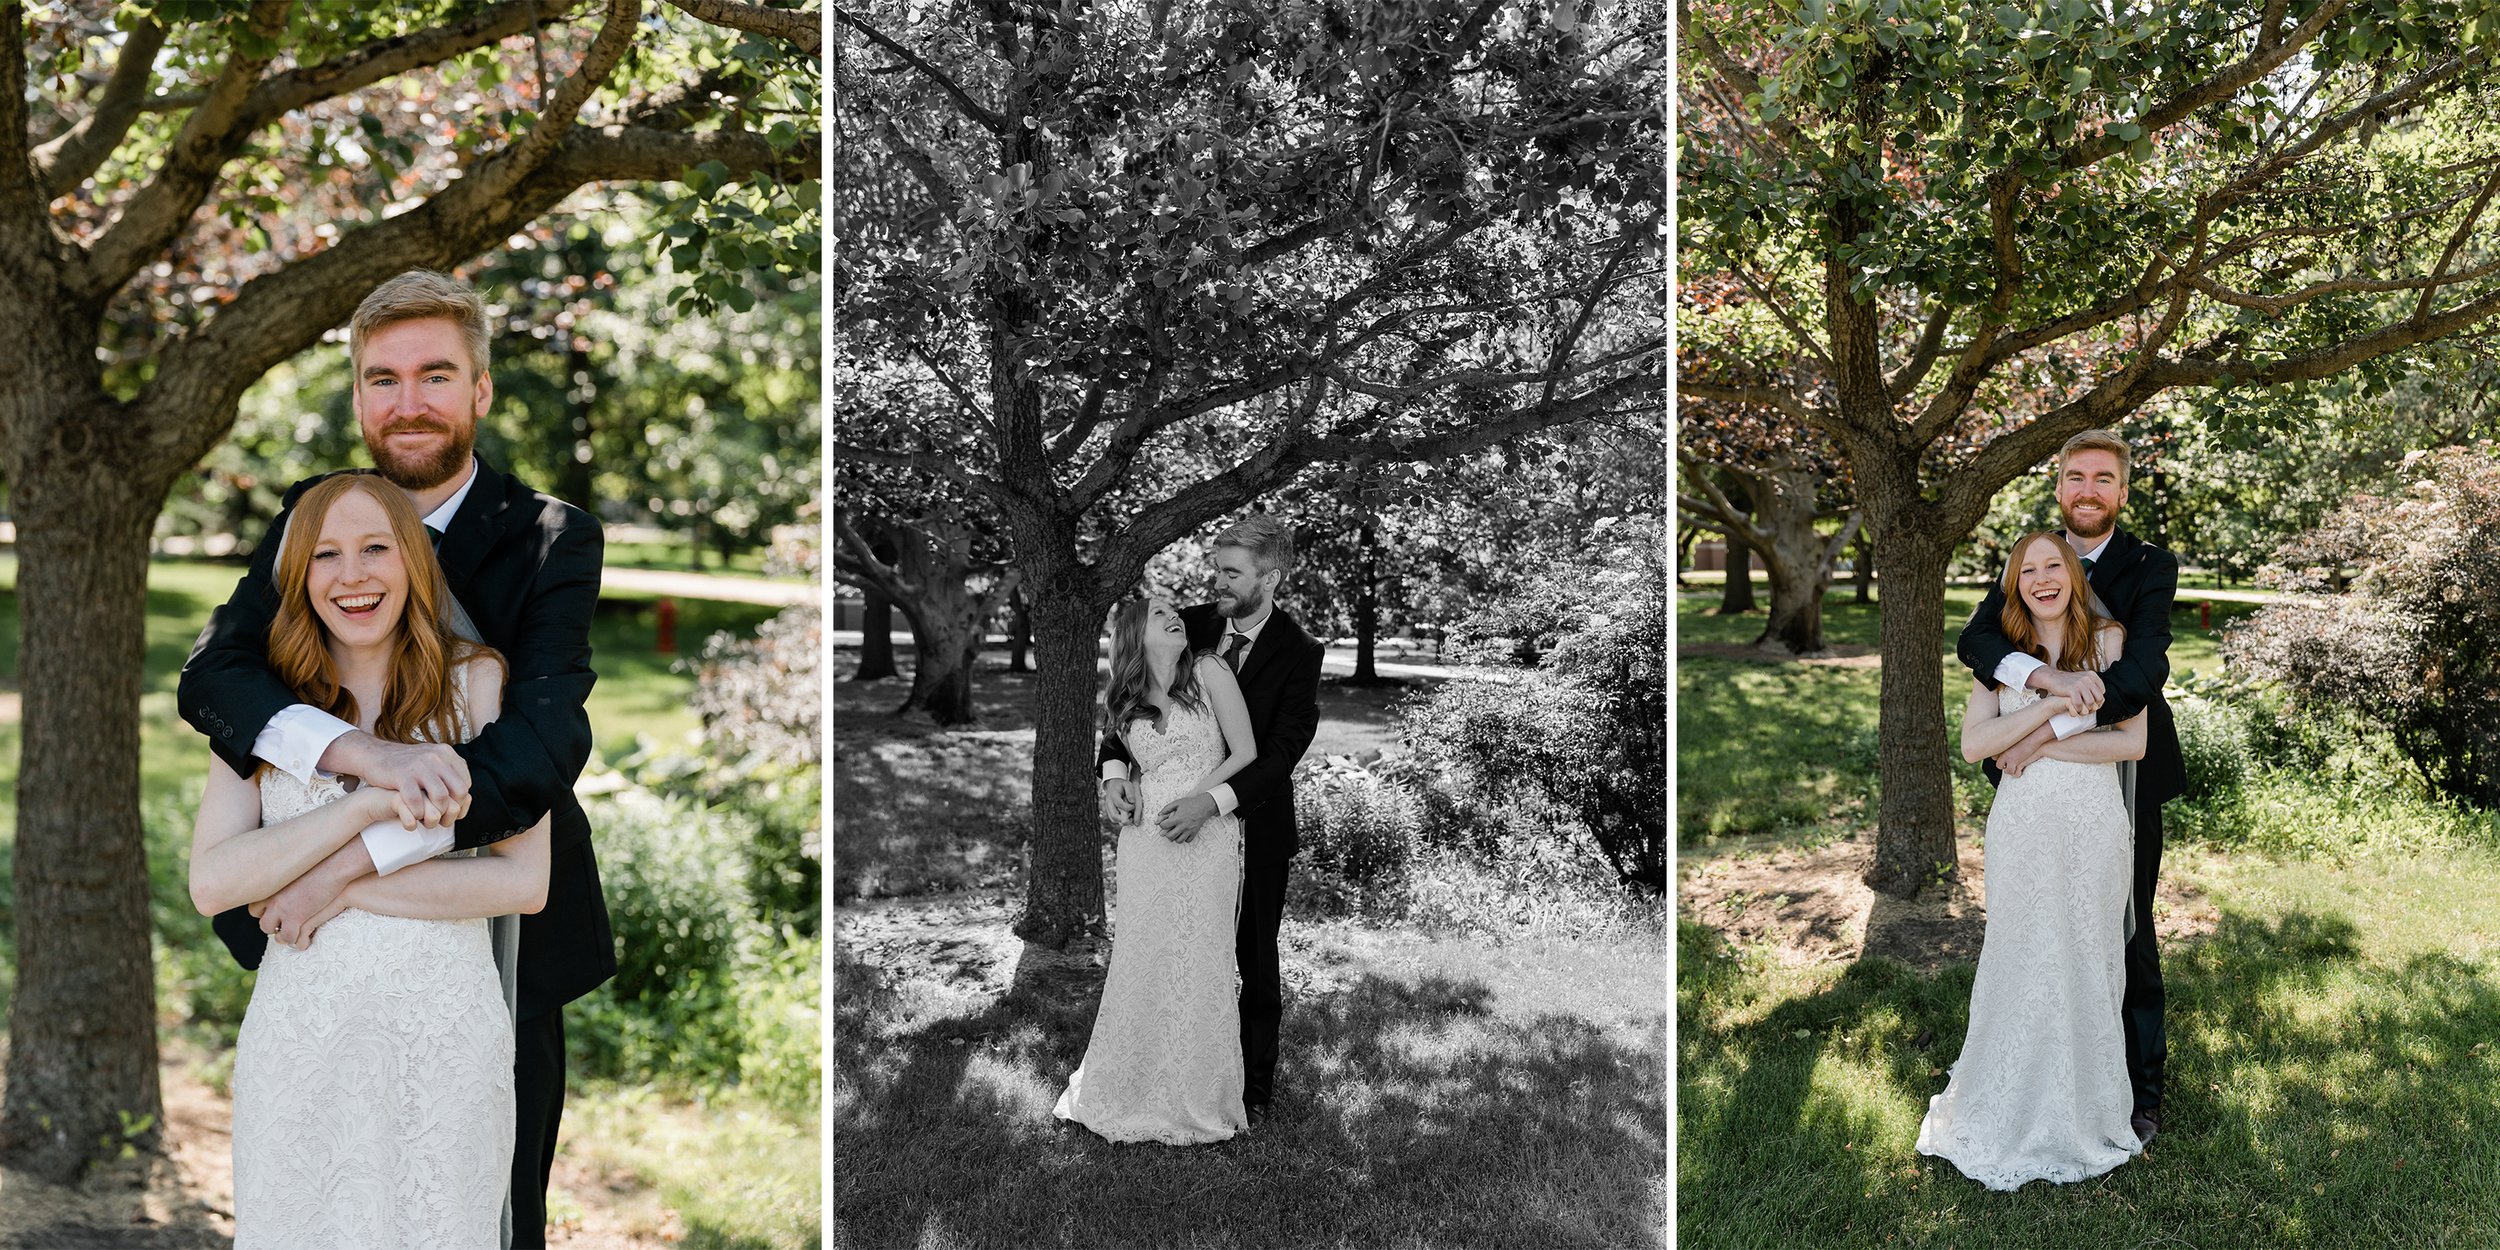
pixel 1164 1063
pixel 2040 1091
pixel 373 1100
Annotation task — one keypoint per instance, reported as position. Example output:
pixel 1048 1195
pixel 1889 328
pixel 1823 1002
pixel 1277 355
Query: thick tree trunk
pixel 1738 597
pixel 943 650
pixel 1019 632
pixel 1914 844
pixel 82 1066
pixel 876 638
pixel 1063 882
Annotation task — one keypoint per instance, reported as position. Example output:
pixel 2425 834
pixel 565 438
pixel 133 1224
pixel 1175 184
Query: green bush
pixel 2217 741
pixel 778 1008
pixel 676 880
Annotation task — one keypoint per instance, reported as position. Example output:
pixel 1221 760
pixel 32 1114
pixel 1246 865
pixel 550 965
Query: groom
pixel 2135 581
pixel 526 567
pixel 1278 668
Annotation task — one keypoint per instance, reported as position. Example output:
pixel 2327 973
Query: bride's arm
pixel 236 860
pixel 1232 716
pixel 1987 732
pixel 510 877
pixel 2122 741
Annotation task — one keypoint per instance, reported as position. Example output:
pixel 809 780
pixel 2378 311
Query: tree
pixel 948 575
pixel 1925 202
pixel 1135 241
pixel 135 320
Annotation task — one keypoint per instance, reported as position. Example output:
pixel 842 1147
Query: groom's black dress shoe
pixel 2146 1121
pixel 1258 1112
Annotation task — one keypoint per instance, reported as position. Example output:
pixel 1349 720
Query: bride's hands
pixel 410 808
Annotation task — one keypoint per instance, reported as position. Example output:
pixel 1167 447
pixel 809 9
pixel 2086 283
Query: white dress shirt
pixel 294 739
pixel 2016 668
pixel 1225 800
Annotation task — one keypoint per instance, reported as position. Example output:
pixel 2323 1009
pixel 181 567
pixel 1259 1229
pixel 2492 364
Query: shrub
pixel 676 883
pixel 1583 736
pixel 1355 823
pixel 2407 642
pixel 2217 742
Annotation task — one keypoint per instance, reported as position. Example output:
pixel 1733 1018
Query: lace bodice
pixel 1188 745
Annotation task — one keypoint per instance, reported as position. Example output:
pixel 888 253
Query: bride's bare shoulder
pixel 2113 640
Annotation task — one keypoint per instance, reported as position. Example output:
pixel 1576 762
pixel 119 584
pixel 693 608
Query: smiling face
pixel 2090 491
pixel 418 399
pixel 1164 635
pixel 1241 590
pixel 357 580
pixel 2044 582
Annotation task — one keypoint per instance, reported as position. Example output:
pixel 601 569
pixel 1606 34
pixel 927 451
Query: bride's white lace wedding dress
pixel 373 1078
pixel 1164 1063
pixel 2040 1091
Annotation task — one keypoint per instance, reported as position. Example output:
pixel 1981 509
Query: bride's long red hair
pixel 417 702
pixel 2081 621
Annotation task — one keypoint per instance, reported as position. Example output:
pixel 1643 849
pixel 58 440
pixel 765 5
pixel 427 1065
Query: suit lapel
pixel 473 528
pixel 1270 641
pixel 2121 552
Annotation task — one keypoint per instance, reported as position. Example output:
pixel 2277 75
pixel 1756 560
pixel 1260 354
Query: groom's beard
pixel 2074 529
pixel 423 471
pixel 1241 609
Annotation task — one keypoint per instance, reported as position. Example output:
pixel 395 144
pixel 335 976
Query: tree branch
pixel 807 30
pixel 72 158
pixel 1923 359
pixel 2262 61
pixel 987 118
pixel 2464 230
pixel 489 180
pixel 209 138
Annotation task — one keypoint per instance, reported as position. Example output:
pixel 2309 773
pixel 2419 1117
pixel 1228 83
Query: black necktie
pixel 435 536
pixel 1233 643
pixel 2087 566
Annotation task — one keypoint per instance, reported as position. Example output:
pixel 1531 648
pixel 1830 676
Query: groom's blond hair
pixel 2099 440
pixel 1268 540
pixel 422 295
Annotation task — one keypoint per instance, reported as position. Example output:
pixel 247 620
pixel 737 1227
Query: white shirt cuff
pixel 293 740
pixel 394 847
pixel 1114 770
pixel 2072 723
pixel 1224 800
pixel 2017 668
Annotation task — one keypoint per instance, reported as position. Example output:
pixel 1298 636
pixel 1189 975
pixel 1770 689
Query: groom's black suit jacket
pixel 526 566
pixel 1279 678
pixel 2136 581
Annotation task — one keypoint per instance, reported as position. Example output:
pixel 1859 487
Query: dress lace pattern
pixel 373 1077
pixel 1164 1063
pixel 2040 1091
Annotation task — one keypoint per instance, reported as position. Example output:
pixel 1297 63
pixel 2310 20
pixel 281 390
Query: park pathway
pixel 708 586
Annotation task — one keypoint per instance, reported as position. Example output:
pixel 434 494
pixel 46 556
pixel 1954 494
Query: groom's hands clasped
pixel 431 777
pixel 1119 801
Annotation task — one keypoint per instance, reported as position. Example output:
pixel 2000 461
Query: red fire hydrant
pixel 668 627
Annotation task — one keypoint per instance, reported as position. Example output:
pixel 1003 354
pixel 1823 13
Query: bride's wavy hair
pixel 2081 621
pixel 1126 699
pixel 417 695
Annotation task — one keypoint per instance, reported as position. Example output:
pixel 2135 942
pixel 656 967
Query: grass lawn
pixel 2332 1038
pixel 919 809
pixel 1434 1093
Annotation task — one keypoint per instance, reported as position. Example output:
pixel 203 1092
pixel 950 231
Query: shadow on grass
pixel 1409 1114
pixel 2316 1098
